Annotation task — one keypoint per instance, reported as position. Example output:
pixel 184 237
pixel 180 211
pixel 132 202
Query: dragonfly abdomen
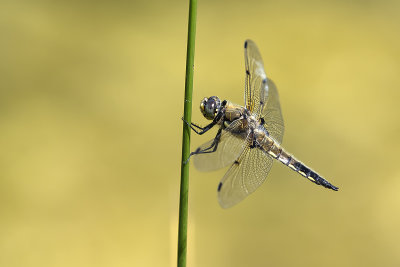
pixel 272 148
pixel 308 173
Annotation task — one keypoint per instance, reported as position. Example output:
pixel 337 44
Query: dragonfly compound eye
pixel 202 104
pixel 209 107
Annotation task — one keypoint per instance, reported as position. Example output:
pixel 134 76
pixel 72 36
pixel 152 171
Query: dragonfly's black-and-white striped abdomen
pixel 269 146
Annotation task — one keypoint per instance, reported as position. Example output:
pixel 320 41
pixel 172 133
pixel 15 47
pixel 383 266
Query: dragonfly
pixel 249 137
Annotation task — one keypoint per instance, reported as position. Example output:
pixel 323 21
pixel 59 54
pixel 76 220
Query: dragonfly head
pixel 210 107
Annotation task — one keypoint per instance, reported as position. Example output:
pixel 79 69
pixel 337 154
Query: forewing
pixel 229 148
pixel 271 112
pixel 245 175
pixel 255 75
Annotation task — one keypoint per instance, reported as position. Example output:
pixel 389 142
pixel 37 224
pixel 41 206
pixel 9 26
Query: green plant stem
pixel 183 201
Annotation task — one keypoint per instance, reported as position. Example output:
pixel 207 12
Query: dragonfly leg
pixel 200 130
pixel 197 126
pixel 212 148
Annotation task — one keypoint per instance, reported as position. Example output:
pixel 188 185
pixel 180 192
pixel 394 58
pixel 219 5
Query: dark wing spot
pixel 265 81
pixel 247 72
pixel 253 144
pixel 245 44
pixel 262 121
pixel 236 162
pixel 219 187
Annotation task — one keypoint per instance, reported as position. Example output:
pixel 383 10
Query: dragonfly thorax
pixel 209 107
pixel 253 122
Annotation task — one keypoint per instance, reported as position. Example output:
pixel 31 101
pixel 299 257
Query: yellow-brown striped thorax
pixel 233 111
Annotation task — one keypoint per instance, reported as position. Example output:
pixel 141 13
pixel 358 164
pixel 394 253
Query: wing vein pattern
pixel 244 176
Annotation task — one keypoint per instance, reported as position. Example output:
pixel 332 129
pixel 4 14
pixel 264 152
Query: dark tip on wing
pixel 219 187
pixel 245 44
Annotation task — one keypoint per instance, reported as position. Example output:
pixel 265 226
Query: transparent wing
pixel 245 175
pixel 229 148
pixel 255 75
pixel 271 112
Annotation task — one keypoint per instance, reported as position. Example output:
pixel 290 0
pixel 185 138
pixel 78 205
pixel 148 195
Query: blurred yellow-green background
pixel 90 133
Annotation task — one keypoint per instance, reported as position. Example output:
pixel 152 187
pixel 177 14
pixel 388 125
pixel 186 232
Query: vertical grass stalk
pixel 187 115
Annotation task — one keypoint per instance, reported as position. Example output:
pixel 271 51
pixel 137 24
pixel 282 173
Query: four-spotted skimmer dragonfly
pixel 248 137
